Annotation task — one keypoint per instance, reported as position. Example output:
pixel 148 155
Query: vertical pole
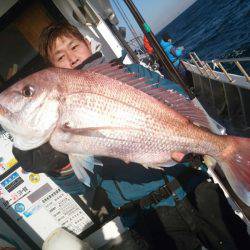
pixel 212 72
pixel 242 71
pixel 225 72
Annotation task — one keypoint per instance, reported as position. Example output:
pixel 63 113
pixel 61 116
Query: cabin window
pixel 21 23
pixel 15 51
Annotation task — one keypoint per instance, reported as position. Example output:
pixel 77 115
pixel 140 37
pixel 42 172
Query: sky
pixel 157 13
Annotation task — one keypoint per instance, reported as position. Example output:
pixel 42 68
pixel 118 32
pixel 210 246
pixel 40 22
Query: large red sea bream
pixel 106 112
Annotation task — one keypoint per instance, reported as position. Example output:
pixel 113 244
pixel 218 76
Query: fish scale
pixel 114 90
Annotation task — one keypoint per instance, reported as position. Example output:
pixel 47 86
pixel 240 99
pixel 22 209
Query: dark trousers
pixel 203 219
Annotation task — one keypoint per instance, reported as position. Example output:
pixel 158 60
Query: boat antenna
pixel 168 66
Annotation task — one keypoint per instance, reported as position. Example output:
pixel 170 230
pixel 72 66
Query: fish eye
pixel 28 91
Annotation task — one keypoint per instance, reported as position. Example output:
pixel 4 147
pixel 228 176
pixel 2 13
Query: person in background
pixel 174 53
pixel 147 46
pixel 153 62
pixel 163 209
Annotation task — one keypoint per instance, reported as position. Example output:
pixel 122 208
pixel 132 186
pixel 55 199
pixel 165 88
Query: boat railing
pixel 224 94
pixel 217 63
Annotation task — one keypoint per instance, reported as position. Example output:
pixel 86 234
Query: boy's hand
pixel 177 156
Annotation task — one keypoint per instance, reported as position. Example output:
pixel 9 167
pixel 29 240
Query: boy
pixel 163 215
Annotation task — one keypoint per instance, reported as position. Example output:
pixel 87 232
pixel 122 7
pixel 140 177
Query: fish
pixel 105 111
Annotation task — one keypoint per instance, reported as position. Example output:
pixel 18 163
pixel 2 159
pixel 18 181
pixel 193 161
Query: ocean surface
pixel 214 29
pixel 218 29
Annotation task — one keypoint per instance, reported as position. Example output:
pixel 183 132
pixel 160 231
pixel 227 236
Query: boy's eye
pixel 74 47
pixel 60 58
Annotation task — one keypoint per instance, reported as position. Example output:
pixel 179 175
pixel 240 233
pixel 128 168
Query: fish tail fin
pixel 235 163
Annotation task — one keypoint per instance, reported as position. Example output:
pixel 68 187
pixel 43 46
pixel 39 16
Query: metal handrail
pixel 204 65
pixel 236 61
pixel 243 59
pixel 214 87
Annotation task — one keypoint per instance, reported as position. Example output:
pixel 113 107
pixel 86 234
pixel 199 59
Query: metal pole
pixel 77 11
pixel 242 70
pixel 213 73
pixel 201 63
pixel 122 40
pixel 196 64
pixel 117 4
pixel 225 72
pixel 174 74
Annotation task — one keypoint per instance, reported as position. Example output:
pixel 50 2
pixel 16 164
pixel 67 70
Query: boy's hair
pixel 51 33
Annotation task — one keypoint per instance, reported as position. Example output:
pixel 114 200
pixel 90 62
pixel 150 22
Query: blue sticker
pixel 9 179
pixel 19 207
pixel 27 214
pixel 31 211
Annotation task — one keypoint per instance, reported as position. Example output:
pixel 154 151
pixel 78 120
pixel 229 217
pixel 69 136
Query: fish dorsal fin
pixel 171 98
pixel 183 106
pixel 115 71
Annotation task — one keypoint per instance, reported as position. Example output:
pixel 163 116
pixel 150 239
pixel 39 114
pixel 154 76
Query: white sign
pixel 39 206
pixel 7 159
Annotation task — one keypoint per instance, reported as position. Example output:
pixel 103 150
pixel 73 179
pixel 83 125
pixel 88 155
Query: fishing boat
pixel 30 214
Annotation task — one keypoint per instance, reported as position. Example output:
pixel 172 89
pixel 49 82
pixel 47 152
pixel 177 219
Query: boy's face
pixel 69 52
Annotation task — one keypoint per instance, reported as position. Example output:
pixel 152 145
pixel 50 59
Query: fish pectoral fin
pixel 80 165
pixel 90 131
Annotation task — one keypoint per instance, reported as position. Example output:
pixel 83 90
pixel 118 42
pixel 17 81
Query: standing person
pixel 174 53
pixel 153 62
pixel 147 46
pixel 165 209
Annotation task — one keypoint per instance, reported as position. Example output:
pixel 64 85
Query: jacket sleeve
pixel 154 77
pixel 43 159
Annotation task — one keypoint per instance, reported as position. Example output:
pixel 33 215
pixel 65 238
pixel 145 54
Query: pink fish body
pixel 91 113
